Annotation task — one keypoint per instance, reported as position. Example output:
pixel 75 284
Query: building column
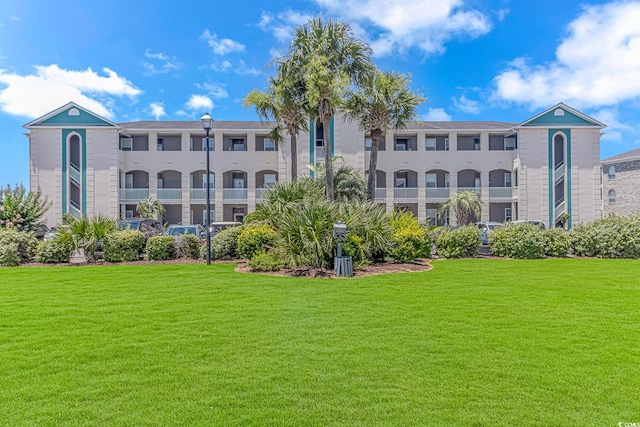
pixel 422 195
pixel 484 181
pixel 390 187
pixel 186 197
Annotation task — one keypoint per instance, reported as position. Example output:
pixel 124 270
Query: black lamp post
pixel 207 122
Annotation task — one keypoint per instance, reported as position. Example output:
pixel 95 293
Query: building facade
pixel 537 169
pixel 621 183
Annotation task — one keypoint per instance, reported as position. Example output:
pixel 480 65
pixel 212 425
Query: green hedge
pixel 462 242
pixel 224 245
pixel 519 240
pixel 408 239
pixel 53 252
pixel 161 248
pixel 255 239
pixel 612 237
pixel 123 246
pixel 187 246
pixel 17 247
pixel 265 262
pixel 556 242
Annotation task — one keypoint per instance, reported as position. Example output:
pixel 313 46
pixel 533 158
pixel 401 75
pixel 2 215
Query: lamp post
pixel 207 122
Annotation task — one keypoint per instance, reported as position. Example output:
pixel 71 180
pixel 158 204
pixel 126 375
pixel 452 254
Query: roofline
pixel 57 126
pixel 64 107
pixel 571 110
pixel 626 159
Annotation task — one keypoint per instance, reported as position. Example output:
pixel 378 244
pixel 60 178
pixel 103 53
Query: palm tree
pixel 150 208
pixel 462 205
pixel 327 59
pixel 381 103
pixel 283 102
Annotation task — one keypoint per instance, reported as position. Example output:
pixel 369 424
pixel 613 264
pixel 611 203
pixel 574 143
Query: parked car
pixel 217 227
pixel 50 234
pixel 537 222
pixel 178 230
pixel 485 229
pixel 148 226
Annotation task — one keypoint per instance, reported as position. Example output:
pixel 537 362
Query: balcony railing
pixel 476 189
pixel 234 194
pixel 261 193
pixel 169 194
pixel 405 193
pixel 201 194
pixel 438 193
pixel 74 173
pixel 500 192
pixel 136 194
pixel 381 194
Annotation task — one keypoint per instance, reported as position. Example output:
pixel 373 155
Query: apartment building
pixel 537 169
pixel 621 183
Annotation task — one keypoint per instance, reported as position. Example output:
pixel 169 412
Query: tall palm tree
pixel 283 101
pixel 462 205
pixel 328 59
pixel 382 102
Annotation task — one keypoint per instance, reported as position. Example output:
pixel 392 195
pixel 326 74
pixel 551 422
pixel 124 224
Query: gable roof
pixel 561 115
pixel 70 114
pixel 629 155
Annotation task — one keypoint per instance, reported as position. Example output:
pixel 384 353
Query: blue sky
pixel 501 60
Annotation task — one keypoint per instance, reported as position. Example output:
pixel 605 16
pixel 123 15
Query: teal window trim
pixel 567 136
pixel 65 172
pixel 65 178
pixel 332 138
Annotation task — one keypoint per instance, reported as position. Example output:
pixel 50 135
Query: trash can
pixel 343 266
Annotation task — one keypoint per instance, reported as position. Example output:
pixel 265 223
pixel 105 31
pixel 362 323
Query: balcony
pixel 438 193
pixel 405 193
pixel 201 194
pixel 500 193
pixel 169 194
pixel 381 194
pixel 234 194
pixel 261 193
pixel 133 194
pixel 476 189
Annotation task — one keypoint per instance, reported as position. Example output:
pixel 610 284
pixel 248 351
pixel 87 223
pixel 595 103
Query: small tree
pixel 21 209
pixel 462 206
pixel 150 208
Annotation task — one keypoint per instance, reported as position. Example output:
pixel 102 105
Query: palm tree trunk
pixel 294 157
pixel 326 124
pixel 373 165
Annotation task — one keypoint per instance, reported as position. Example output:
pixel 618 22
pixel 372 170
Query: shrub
pixel 161 248
pixel 556 242
pixel 26 245
pixel 408 239
pixel 352 246
pixel 254 239
pixel 9 254
pixel 520 240
pixel 187 246
pixel 20 208
pixel 612 237
pixel 265 262
pixel 224 245
pixel 462 242
pixel 53 252
pixel 123 246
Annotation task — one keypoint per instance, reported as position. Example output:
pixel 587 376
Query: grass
pixel 475 342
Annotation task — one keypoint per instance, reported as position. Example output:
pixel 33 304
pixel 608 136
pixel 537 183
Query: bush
pixel 556 242
pixel 187 246
pixel 20 208
pixel 265 262
pixel 123 246
pixel 408 239
pixel 352 246
pixel 612 237
pixel 224 245
pixel 161 248
pixel 26 245
pixel 521 240
pixel 462 242
pixel 9 254
pixel 53 252
pixel 254 239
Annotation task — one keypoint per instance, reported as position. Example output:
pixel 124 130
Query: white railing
pixel 438 193
pixel 133 193
pixel 381 194
pixel 201 194
pixel 476 189
pixel 169 194
pixel 559 209
pixel 234 194
pixel 74 173
pixel 558 172
pixel 405 193
pixel 500 192
pixel 261 193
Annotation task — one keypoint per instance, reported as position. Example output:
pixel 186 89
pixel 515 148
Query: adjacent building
pixel 621 183
pixel 538 169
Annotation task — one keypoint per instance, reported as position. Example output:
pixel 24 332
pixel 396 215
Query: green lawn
pixel 474 342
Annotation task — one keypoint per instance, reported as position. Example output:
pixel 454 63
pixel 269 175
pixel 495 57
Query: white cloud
pixel 466 105
pixel 436 115
pixel 200 103
pixel 222 46
pixel 244 70
pixel 616 131
pixel 214 90
pixel 156 109
pixel 181 113
pixel 166 63
pixel 15 18
pixel 411 23
pixel 283 24
pixel 597 64
pixel 223 67
pixel 50 87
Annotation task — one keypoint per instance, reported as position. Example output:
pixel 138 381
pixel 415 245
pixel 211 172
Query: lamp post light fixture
pixel 207 122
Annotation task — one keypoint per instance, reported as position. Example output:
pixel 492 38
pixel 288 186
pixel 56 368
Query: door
pixel 238 182
pixel 212 181
pixel 128 180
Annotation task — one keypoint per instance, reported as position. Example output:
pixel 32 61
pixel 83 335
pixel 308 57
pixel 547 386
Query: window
pixel 401 182
pixel 612 196
pixel 432 180
pixel 476 144
pixel 509 144
pixel 126 144
pixel 402 144
pixel 612 172
pixel 367 144
pixel 507 179
pixel 269 180
pixel 128 180
pixel 446 144
pixel 507 214
pixel 160 144
pixel 212 214
pixel 212 143
pixel 269 145
pixel 212 181
pixel 238 144
pixel 430 144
